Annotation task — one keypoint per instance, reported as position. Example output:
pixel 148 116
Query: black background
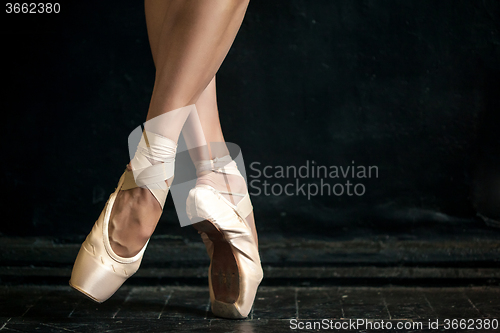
pixel 411 87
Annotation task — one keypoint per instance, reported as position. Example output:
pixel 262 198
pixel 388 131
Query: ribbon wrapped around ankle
pixel 153 163
pixel 217 164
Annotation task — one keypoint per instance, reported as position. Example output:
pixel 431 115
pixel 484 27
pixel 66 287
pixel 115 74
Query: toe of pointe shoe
pixel 97 276
pixel 98 272
pixel 85 293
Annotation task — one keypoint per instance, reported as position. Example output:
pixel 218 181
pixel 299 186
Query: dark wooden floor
pixel 186 309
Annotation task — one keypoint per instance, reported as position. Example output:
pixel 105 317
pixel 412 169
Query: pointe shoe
pixel 98 271
pixel 235 270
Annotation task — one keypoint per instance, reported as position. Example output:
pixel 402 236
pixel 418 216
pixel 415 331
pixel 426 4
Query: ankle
pixel 204 167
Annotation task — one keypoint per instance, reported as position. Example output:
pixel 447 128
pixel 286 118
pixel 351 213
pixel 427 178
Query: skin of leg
pixel 206 104
pixel 203 127
pixel 191 30
pixel 181 33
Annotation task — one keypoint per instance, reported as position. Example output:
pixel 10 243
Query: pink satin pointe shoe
pixel 98 271
pixel 235 270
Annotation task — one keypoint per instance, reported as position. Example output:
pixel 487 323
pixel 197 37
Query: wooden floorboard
pixel 276 309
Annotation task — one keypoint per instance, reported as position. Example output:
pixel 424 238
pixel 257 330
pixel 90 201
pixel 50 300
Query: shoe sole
pixel 224 271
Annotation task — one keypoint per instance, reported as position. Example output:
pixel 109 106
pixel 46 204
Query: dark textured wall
pixel 408 86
